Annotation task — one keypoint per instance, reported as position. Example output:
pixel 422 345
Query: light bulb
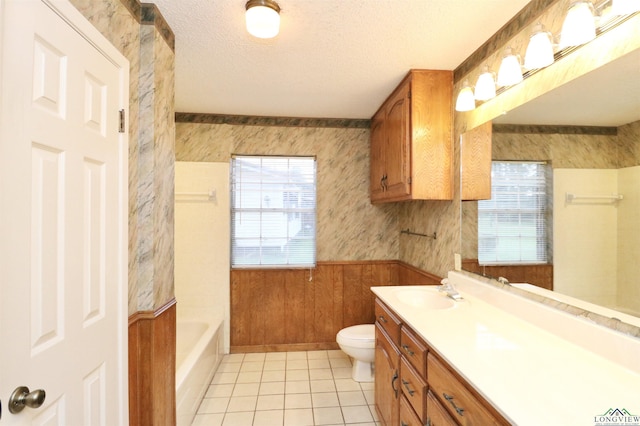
pixel 485 86
pixel 579 26
pixel 262 21
pixel 510 71
pixel 465 100
pixel 539 52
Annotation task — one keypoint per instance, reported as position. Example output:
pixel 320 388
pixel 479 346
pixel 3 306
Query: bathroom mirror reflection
pixel 586 135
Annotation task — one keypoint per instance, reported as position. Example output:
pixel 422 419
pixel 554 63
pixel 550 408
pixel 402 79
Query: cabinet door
pixel 397 143
pixel 376 159
pixel 387 377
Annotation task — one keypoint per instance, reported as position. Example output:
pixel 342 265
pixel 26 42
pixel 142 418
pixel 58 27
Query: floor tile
pixel 252 366
pixel 298 417
pixel 319 363
pixel 357 414
pixel 351 398
pixel 328 416
pixel 297 400
pixel 317 355
pixel 297 387
pixel 273 376
pixel 275 356
pixel 219 378
pixel 297 375
pixel 246 389
pixel 269 418
pixel 249 377
pixel 296 355
pixel 325 399
pixel 275 365
pixel 323 386
pixel 271 388
pixel 242 403
pixel 255 357
pixel 213 405
pixel 238 419
pixel 219 390
pixel 347 385
pixel 320 374
pixel 270 402
pixel 208 420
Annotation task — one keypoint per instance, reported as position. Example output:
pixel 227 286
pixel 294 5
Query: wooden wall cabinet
pixel 475 160
pixel 414 386
pixel 411 140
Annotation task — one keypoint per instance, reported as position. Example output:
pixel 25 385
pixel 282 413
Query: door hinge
pixel 409 94
pixel 121 125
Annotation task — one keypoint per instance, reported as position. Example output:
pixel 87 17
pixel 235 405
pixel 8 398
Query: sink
pixel 427 298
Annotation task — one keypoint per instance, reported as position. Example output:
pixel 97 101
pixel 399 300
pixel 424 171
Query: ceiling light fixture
pixel 579 26
pixel 510 71
pixel 539 52
pixel 465 100
pixel 486 85
pixel 263 18
pixel 625 7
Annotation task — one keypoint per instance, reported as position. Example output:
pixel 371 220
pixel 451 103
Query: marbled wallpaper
pixel 349 227
pixel 120 22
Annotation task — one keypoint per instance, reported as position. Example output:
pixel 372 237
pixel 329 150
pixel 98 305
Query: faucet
pixel 448 289
pixel 504 281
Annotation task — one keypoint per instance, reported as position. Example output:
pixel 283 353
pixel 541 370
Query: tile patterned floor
pixel 287 389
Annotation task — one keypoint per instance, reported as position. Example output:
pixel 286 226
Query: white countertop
pixel 529 374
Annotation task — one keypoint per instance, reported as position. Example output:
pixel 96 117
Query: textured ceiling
pixel 332 58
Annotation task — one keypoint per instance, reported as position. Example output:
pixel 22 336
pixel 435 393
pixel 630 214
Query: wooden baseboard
pixel 285 348
pixel 152 366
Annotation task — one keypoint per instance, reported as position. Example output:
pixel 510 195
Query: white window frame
pixel 513 226
pixel 273 211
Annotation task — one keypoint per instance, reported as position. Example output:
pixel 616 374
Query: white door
pixel 63 217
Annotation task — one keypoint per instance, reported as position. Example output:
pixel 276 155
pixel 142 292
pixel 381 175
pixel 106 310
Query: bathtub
pixel 199 348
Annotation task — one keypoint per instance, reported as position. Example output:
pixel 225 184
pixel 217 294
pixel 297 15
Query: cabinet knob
pixel 408 350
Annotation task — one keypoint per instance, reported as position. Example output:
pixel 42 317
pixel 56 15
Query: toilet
pixel 359 342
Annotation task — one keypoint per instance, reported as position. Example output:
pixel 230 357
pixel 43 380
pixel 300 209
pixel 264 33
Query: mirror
pixel 588 133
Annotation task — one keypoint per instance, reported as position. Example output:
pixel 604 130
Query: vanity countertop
pixel 528 373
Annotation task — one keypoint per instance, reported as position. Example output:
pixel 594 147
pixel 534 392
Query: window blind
pixel 512 225
pixel 273 211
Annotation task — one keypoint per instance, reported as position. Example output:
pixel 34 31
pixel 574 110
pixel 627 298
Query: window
pixel 273 211
pixel 512 225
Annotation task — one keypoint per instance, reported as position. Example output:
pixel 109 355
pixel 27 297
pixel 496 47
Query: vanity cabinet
pixel 411 140
pixel 414 386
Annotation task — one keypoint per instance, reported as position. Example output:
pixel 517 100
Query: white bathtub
pixel 199 348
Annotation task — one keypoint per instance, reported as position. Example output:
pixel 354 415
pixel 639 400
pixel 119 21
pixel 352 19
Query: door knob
pixel 21 397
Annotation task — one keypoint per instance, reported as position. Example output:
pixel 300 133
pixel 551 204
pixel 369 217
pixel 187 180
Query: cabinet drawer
pixel 407 416
pixel 455 397
pixel 388 321
pixel 414 349
pixel 414 388
pixel 436 413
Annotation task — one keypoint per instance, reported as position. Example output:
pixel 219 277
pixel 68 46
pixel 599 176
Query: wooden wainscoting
pixel 152 366
pixel 303 309
pixel 538 275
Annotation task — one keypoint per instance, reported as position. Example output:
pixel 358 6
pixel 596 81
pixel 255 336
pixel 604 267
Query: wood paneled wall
pixel 287 309
pixel 538 275
pixel 152 366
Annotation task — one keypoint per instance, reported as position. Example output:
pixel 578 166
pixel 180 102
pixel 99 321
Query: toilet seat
pixel 358 336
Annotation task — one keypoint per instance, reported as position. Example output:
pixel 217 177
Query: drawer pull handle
pixel 406 385
pixel 403 423
pixel 408 350
pixel 449 398
pixel 383 319
pixel 393 380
